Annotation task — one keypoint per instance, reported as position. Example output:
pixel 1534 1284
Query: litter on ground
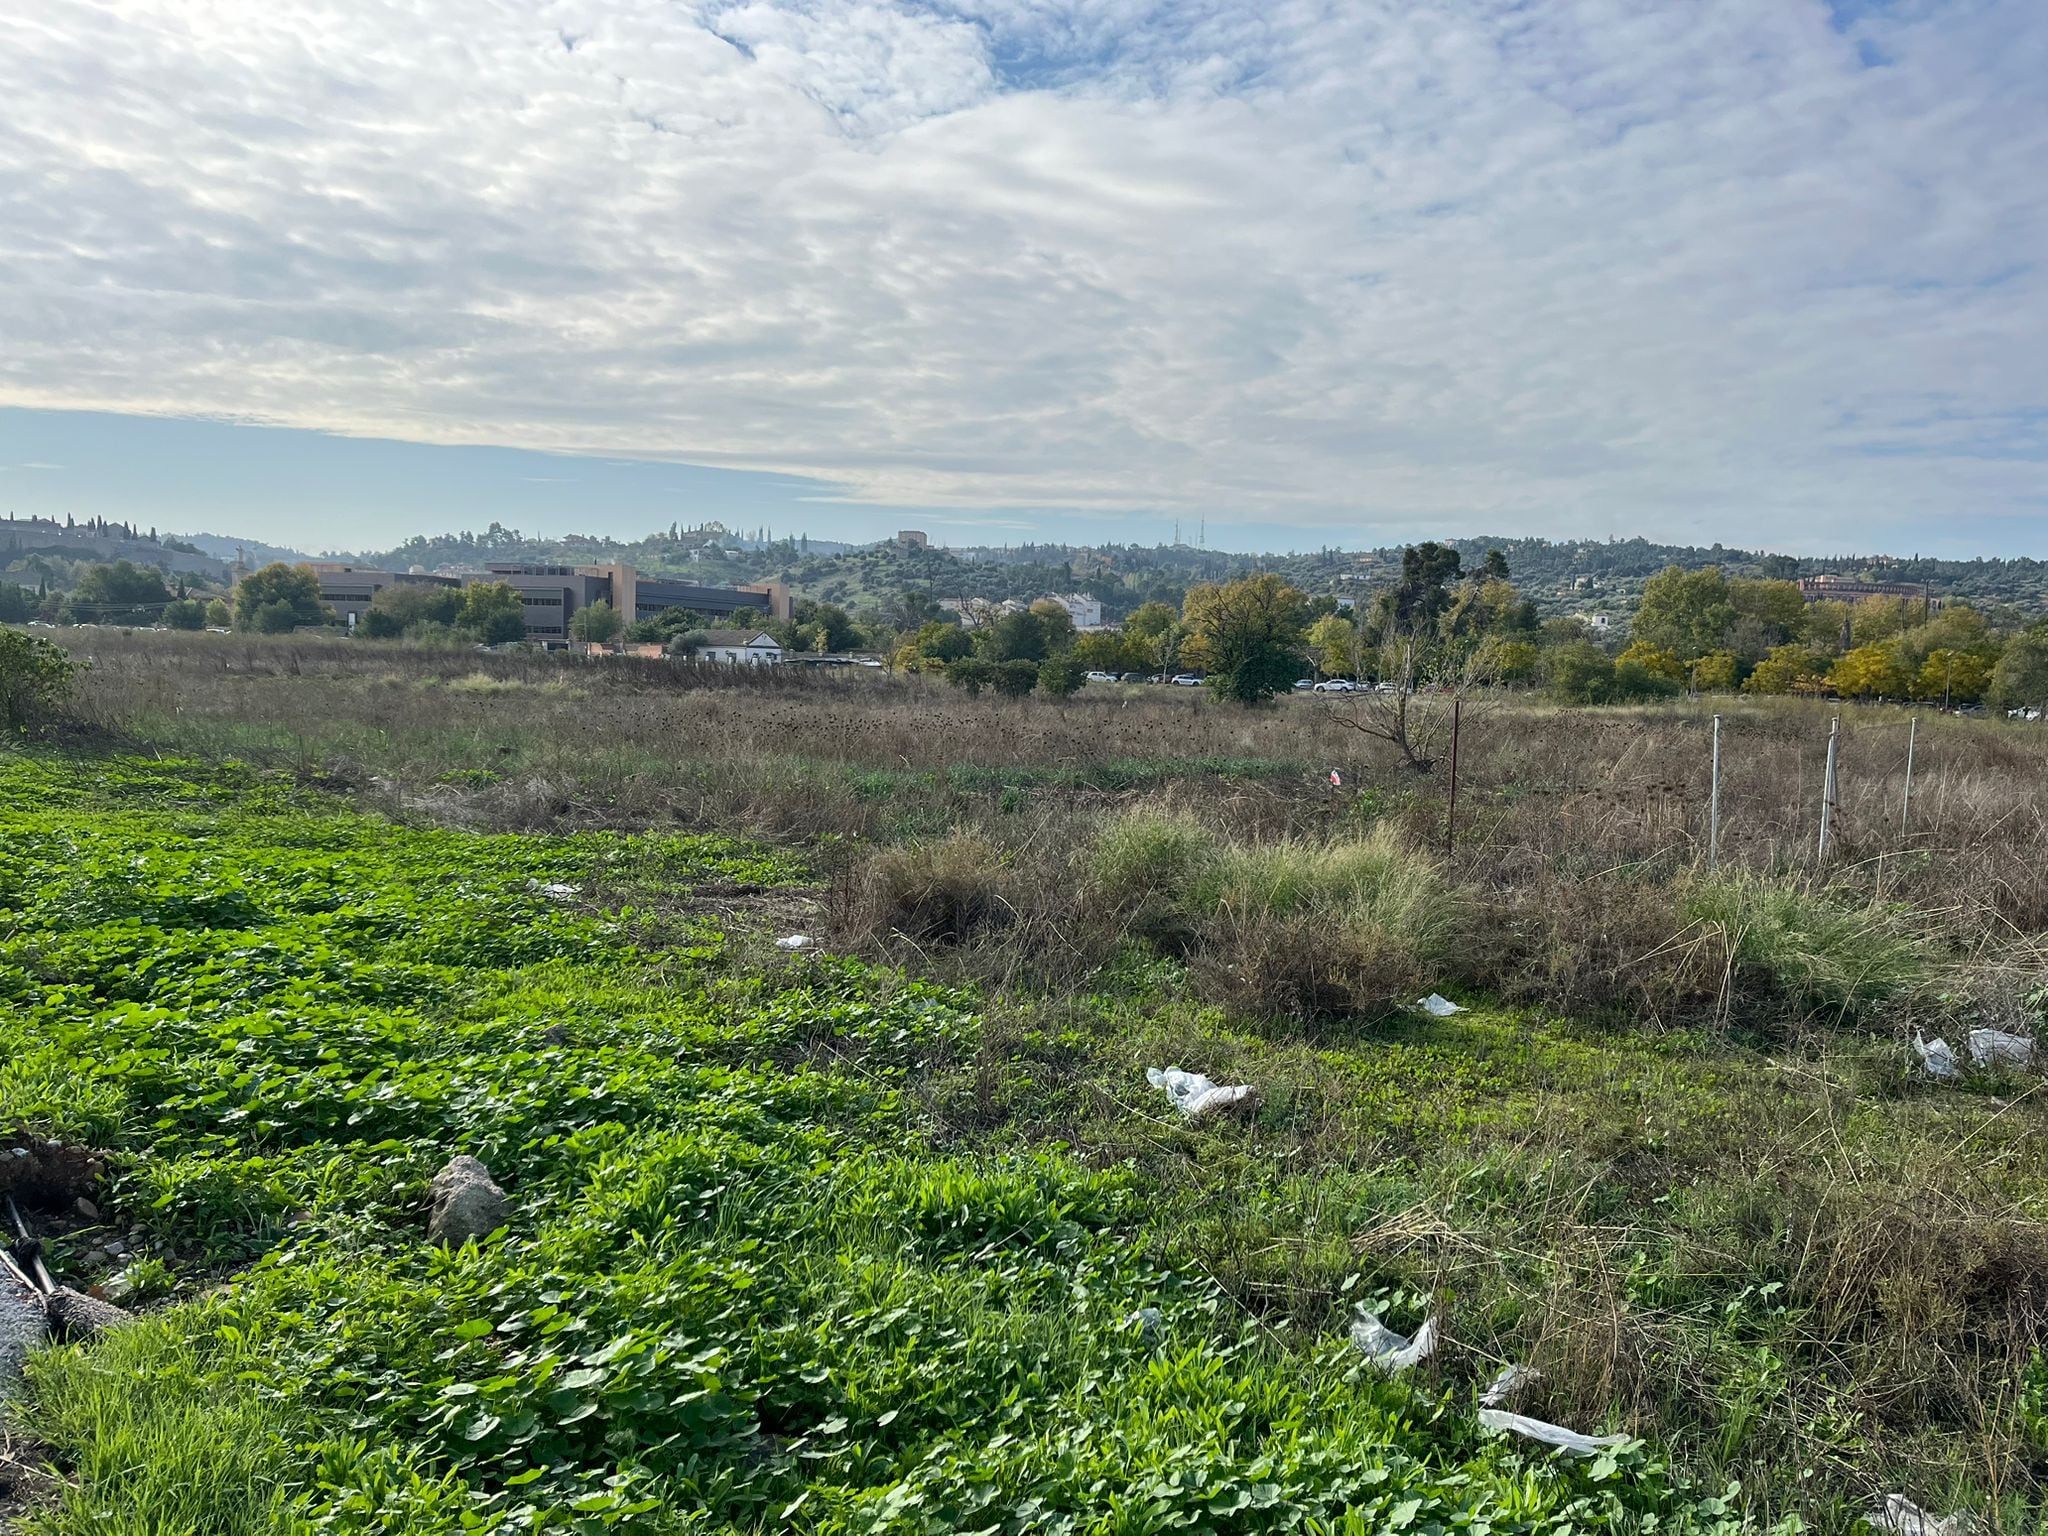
pixel 1995 1048
pixel 556 889
pixel 795 941
pixel 1511 1382
pixel 1392 1351
pixel 1438 1005
pixel 1902 1517
pixel 1550 1434
pixel 1195 1096
pixel 1147 1320
pixel 1936 1057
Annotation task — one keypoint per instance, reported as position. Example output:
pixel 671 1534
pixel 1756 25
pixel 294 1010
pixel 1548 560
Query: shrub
pixel 1296 928
pixel 1829 957
pixel 1147 854
pixel 1061 675
pixel 36 678
pixel 1014 679
pixel 971 673
pixel 185 613
pixel 940 892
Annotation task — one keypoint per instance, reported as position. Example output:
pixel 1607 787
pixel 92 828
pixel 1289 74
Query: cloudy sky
pixel 1768 271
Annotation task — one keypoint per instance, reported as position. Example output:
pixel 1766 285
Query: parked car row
pixel 1342 685
pixel 1179 679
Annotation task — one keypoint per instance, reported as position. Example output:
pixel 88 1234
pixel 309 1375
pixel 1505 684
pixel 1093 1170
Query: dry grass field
pixel 1677 1152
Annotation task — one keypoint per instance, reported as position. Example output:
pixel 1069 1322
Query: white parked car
pixel 1101 677
pixel 1305 685
pixel 1188 680
pixel 1336 685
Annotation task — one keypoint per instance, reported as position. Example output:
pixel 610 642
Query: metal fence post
pixel 1906 805
pixel 1451 809
pixel 1828 787
pixel 1714 801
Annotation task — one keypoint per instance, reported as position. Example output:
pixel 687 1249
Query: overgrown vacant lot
pixel 862 1239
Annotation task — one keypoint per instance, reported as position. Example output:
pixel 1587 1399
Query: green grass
pixel 1833 957
pixel 751 1283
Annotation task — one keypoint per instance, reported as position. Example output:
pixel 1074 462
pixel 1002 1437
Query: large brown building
pixel 1849 589
pixel 552 595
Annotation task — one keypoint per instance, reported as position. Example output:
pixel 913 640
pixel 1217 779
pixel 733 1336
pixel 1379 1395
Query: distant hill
pixel 1560 575
pixel 224 546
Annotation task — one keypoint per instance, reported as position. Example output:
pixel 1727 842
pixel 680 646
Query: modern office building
pixel 349 589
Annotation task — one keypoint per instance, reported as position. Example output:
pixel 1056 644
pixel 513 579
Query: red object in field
pixel 1336 778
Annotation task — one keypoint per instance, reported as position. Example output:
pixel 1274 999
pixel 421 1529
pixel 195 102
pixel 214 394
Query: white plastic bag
pixel 1550 1434
pixel 1438 1006
pixel 1936 1057
pixel 1195 1096
pixel 1902 1517
pixel 555 890
pixel 1511 1382
pixel 1391 1351
pixel 795 941
pixel 1995 1048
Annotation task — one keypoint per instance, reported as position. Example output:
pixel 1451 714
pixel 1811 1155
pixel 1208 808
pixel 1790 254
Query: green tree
pixel 492 612
pixel 1153 633
pixel 1958 677
pixel 1579 673
pixel 405 606
pixel 36 679
pixel 1789 669
pixel 936 641
pixel 1105 651
pixel 1419 598
pixel 1870 671
pixel 219 615
pixel 2020 680
pixel 1654 660
pixel 185 613
pixel 1716 672
pixel 1500 659
pixel 278 599
pixel 17 603
pixel 1777 607
pixel 1056 624
pixel 1827 625
pixel 1017 637
pixel 1876 619
pixel 1687 613
pixel 1333 644
pixel 120 593
pixel 1249 635
pixel 599 623
pixel 819 627
pixel 1062 675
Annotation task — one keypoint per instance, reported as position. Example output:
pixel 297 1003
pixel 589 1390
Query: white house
pixel 746 646
pixel 1085 611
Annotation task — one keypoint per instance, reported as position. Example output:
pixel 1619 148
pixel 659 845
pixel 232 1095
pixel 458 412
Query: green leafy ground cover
pixel 744 1289
pixel 804 1243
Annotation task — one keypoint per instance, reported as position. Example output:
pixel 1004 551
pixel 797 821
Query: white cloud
pixel 1594 265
